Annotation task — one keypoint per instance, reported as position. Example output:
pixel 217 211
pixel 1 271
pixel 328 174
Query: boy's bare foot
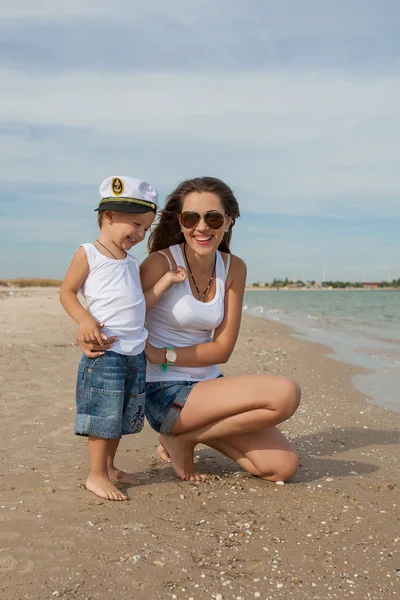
pixel 163 454
pixel 181 455
pixel 122 477
pixel 102 487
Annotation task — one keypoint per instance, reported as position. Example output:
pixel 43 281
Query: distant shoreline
pixel 39 282
pixel 252 288
pixel 22 282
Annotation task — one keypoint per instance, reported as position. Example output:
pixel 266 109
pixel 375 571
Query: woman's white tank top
pixel 178 319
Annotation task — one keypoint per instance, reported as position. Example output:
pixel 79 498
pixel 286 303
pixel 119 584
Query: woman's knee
pixel 292 395
pixel 284 468
pixel 287 397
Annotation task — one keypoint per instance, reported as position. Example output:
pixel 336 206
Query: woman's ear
pixel 179 221
pixel 228 223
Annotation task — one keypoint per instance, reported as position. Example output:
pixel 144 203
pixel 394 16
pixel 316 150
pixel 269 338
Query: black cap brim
pixel 126 207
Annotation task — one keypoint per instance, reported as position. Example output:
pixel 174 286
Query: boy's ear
pixel 108 216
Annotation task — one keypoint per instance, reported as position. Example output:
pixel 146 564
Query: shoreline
pixel 321 353
pixel 11 285
pixel 256 288
pixel 328 534
pixel 352 340
pixel 371 388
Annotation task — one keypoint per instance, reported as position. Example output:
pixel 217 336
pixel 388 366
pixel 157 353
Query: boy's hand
pixel 178 275
pixel 90 331
pixel 92 349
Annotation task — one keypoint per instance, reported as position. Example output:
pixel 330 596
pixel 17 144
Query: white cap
pixel 127 194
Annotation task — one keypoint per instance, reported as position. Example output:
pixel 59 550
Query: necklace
pixel 105 248
pixel 193 279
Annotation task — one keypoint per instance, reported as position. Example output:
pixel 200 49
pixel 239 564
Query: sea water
pixel 362 327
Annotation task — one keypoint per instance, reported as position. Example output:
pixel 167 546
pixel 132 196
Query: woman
pixel 194 327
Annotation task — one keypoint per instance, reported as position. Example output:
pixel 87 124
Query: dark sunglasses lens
pixel 214 219
pixel 190 219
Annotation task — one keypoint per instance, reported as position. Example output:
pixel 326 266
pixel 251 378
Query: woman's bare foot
pixel 122 477
pixel 181 455
pixel 102 487
pixel 163 454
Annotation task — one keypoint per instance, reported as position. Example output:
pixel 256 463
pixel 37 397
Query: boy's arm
pixel 154 293
pixel 156 279
pixel 76 275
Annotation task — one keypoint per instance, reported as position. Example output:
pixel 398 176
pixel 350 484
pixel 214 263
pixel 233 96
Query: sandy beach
pixel 332 532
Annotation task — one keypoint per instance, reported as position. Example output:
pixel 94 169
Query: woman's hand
pixel 155 356
pixel 91 349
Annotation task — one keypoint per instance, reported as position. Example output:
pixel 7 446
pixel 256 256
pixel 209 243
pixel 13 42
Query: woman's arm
pixel 220 349
pixel 76 275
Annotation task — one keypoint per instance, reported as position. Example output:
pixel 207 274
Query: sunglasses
pixel 213 218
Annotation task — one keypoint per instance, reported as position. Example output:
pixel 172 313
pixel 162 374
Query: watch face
pixel 171 356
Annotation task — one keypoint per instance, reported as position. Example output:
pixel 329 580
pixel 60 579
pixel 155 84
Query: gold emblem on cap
pixel 153 206
pixel 117 186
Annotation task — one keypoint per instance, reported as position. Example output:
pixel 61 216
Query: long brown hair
pixel 168 231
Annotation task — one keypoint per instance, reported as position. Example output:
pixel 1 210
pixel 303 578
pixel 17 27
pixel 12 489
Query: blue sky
pixel 294 104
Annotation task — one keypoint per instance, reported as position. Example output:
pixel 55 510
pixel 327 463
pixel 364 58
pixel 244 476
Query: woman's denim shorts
pixel 164 402
pixel 110 395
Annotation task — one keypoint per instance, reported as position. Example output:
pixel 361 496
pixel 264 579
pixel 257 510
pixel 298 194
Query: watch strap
pixel 167 364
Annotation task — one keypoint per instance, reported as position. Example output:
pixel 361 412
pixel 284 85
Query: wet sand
pixel 333 532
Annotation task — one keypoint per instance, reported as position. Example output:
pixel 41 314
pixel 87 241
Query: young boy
pixel 110 393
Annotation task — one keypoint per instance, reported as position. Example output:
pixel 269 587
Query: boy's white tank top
pixel 114 297
pixel 178 319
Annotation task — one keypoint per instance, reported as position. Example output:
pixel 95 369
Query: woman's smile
pixel 202 240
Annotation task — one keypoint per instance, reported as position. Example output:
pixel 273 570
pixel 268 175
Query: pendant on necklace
pixel 193 279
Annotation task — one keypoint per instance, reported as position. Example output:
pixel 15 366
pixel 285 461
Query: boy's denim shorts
pixel 164 402
pixel 110 395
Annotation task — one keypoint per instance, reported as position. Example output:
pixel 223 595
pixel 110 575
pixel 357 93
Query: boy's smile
pixel 124 230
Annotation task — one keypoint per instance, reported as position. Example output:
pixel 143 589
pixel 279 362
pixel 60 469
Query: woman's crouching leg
pixel 266 454
pixel 287 399
pixel 219 408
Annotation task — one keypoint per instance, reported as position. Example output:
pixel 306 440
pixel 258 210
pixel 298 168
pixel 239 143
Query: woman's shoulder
pixel 236 262
pixel 167 250
pixel 160 258
pixel 236 277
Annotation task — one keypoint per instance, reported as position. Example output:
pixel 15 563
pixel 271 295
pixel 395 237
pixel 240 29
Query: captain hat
pixel 127 194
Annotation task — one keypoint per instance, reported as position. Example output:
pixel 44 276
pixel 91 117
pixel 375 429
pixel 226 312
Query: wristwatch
pixel 170 358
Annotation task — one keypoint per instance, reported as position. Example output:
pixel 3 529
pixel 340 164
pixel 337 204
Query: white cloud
pixel 286 19
pixel 57 9
pixel 309 143
pixel 263 106
pixel 45 229
pixel 118 10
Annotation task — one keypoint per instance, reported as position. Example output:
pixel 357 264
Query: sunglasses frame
pixel 204 216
